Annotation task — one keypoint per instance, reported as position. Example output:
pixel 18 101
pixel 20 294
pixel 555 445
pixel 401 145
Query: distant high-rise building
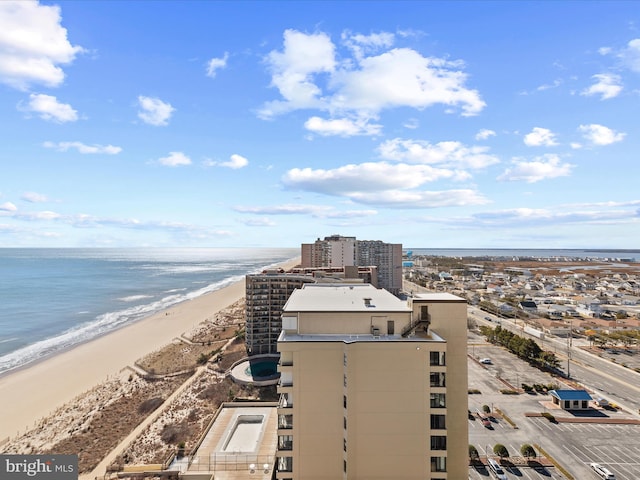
pixel 372 386
pixel 338 251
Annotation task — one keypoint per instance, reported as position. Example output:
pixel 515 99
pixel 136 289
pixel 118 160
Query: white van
pixel 497 470
pixel 602 471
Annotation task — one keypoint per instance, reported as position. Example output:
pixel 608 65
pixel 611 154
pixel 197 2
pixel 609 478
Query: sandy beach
pixel 32 393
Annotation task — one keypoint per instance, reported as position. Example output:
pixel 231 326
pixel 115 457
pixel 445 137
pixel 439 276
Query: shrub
pixel 486 409
pixel 472 391
pixel 473 453
pixel 549 417
pixel 527 451
pixel 501 450
pixel 508 391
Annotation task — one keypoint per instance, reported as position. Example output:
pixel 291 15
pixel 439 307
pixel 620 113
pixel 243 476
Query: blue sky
pixel 432 124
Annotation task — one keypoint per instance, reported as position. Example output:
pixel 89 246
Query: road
pixel 606 378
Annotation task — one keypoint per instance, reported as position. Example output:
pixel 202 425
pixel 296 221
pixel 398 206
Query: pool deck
pixel 239 372
pixel 210 456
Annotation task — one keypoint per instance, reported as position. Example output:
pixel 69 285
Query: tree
pixel 501 450
pixel 549 359
pixel 473 453
pixel 527 451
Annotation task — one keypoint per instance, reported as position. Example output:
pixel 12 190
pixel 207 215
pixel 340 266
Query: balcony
pixel 285 422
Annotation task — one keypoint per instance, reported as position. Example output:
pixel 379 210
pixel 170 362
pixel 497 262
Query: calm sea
pixel 52 299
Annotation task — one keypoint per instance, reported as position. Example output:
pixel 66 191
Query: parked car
pixel 486 361
pixel 602 471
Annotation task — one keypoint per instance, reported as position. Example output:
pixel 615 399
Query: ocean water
pixel 53 299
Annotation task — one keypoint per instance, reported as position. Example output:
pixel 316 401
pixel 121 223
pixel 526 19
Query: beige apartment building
pixel 372 387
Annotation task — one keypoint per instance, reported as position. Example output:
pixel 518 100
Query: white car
pixel 486 361
pixel 602 471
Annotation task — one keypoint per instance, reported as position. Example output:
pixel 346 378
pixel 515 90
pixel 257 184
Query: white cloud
pixel 343 127
pixel 631 55
pixel 8 207
pixel 316 211
pixel 542 168
pixel 451 154
pixel 403 78
pixel 48 108
pixel 293 70
pixel 411 124
pixel 362 44
pixel 83 148
pixel 348 180
pixel 33 44
pixel 235 162
pixel 174 159
pixel 607 86
pixel 34 197
pixel 307 75
pixel 154 111
pixel 540 137
pixel 259 222
pixel 605 50
pixel 216 64
pixel 424 199
pixel 600 135
pixel 484 134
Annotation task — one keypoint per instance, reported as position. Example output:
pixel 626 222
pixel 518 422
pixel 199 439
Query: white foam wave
pixel 134 298
pixel 101 325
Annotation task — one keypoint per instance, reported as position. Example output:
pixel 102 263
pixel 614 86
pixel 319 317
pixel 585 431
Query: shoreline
pixel 34 391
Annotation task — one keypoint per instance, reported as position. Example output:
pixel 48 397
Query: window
pixel 344 359
pixel 344 466
pixel 345 379
pixel 437 400
pixel 344 422
pixel 344 401
pixel 436 359
pixel 438 464
pixel 437 422
pixel 285 442
pixel 344 444
pixel 390 327
pixel 438 442
pixel 437 379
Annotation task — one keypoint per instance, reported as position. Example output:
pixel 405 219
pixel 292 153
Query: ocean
pixel 53 299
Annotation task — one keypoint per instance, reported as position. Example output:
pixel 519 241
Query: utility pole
pixel 569 344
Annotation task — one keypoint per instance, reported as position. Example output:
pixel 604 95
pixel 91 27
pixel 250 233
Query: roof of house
pixel 570 394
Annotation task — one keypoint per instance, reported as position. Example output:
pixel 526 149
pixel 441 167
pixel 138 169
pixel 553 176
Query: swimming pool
pixel 262 369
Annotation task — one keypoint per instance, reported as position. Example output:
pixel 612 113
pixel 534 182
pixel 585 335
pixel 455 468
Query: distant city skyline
pixel 244 124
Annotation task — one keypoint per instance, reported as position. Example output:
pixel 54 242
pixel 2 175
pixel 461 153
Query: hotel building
pixel 372 387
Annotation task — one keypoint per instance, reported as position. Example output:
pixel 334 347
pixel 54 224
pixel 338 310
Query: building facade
pixel 266 294
pixel 339 251
pixel 372 387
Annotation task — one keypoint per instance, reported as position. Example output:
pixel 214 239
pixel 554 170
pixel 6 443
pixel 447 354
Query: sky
pixel 269 124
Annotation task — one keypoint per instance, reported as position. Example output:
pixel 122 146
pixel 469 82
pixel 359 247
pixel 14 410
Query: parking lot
pixel 571 445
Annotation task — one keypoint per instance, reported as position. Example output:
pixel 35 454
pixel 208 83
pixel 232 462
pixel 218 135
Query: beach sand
pixel 32 393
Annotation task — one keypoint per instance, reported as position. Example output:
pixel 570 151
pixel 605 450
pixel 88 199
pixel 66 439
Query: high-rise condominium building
pixel 371 386
pixel 267 293
pixel 338 251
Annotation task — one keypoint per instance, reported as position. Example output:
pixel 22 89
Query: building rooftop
pixel 439 297
pixel 352 338
pixel 344 298
pixel 570 394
